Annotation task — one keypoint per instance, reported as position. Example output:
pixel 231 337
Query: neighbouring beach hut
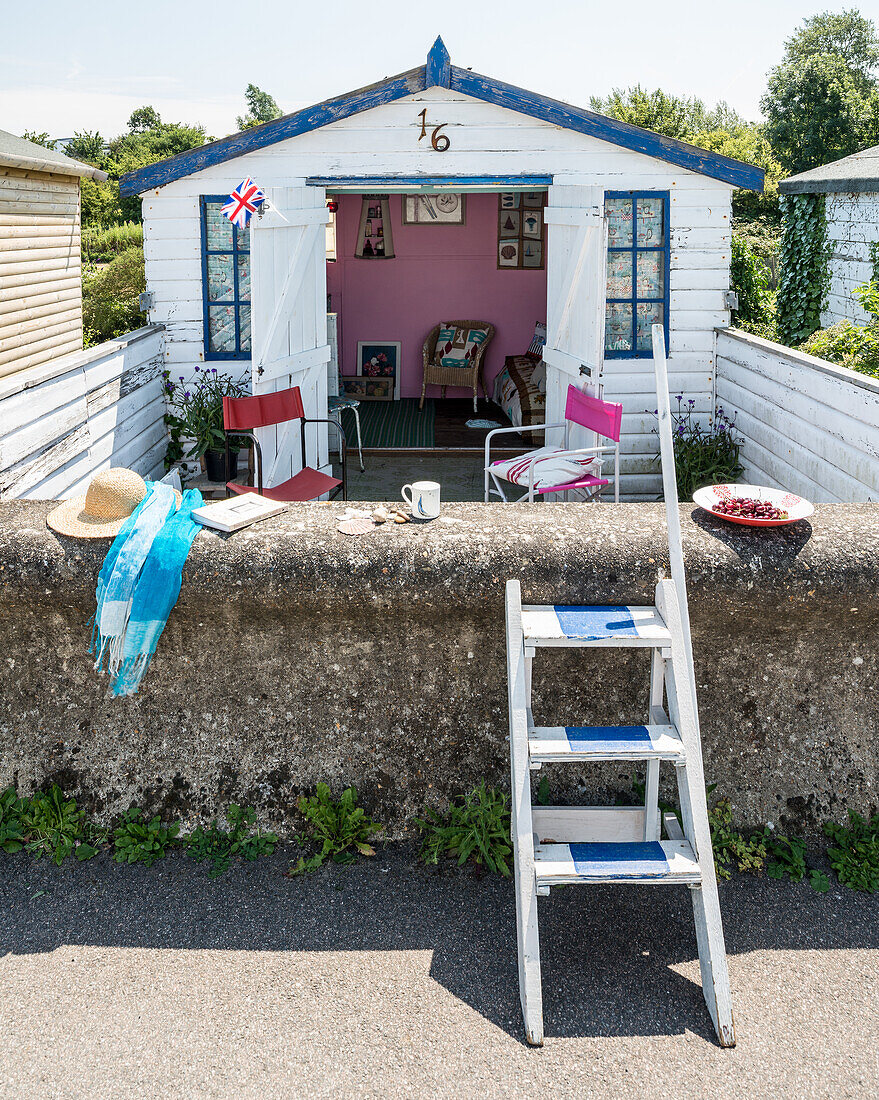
pixel 449 195
pixel 40 272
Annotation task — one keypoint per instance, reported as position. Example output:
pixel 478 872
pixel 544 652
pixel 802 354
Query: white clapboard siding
pixel 63 420
pixel 809 426
pixel 485 140
pixel 40 289
pixel 852 227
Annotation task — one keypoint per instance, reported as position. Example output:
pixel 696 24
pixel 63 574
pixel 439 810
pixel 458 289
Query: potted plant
pixel 195 411
pixel 704 455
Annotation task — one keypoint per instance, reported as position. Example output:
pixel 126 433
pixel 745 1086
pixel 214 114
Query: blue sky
pixel 68 66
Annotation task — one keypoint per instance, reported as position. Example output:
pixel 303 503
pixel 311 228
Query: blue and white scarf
pixel 139 584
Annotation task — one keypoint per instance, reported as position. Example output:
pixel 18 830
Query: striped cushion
pixel 548 470
pixel 538 341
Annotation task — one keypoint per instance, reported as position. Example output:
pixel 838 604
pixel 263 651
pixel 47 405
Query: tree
pixel 847 35
pixel 39 139
pixel 673 116
pixel 261 107
pixel 143 119
pixel 88 147
pixel 822 101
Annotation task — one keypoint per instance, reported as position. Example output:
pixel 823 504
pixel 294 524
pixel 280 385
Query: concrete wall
pixel 809 426
pixel 63 421
pixel 852 226
pixel 297 654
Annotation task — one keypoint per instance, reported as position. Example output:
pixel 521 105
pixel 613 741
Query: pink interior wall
pixel 437 273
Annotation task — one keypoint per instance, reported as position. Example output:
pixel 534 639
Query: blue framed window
pixel 225 282
pixel 637 271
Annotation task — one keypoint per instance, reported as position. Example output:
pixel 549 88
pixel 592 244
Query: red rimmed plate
pixel 795 506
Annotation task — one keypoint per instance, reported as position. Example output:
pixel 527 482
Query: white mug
pixel 424 499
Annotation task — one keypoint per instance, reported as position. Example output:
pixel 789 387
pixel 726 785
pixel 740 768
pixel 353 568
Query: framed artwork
pixel 368 389
pixel 445 208
pixel 378 370
pixel 374 237
pixel 521 230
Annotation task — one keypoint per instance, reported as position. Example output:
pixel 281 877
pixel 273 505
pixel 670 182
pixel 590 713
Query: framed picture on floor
pixel 368 389
pixel 379 361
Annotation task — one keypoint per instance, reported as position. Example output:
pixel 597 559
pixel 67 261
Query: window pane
pixel 243 238
pixel 221 328
pixel 244 322
pixel 650 227
pixel 618 327
pixel 649 313
pixel 244 278
pixel 651 269
pixel 219 229
pixel 619 274
pixel 221 286
pixel 619 223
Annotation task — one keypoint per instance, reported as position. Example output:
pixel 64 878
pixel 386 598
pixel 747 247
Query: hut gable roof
pixel 439 72
pixel 858 172
pixel 17 152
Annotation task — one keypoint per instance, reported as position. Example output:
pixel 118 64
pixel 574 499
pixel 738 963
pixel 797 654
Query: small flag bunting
pixel 243 203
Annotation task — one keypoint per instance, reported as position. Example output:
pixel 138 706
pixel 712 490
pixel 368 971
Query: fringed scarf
pixel 139 584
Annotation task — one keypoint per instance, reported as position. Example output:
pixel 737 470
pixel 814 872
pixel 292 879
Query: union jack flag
pixel 242 203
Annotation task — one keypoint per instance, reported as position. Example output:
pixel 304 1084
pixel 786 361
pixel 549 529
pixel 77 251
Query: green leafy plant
pixel 732 848
pixel 703 455
pixel 341 828
pixel 855 852
pixel 196 410
pixel 109 297
pixel 750 275
pixel 787 857
pixel 101 243
pixel 138 841
pixel 847 344
pixel 11 821
pixel 54 826
pixel 543 796
pixel 804 275
pixel 477 827
pixel 218 845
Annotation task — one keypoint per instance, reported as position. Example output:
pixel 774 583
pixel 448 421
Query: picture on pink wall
pixel 378 370
pixel 446 208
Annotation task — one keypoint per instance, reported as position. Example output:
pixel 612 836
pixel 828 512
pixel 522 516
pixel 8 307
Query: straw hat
pixel 111 498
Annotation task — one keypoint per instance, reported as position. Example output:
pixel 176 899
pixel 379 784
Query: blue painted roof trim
pixel 438 72
pixel 446 183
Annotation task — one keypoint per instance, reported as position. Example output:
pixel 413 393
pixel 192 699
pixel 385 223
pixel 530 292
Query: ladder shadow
pixel 616 960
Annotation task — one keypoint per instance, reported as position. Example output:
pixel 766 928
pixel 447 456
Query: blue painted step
pixel 593 626
pixel 671 861
pixel 570 743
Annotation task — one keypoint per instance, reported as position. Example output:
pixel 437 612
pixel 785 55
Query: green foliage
pixel 341 828
pixel 39 139
pixel 850 345
pixel 261 107
pixel 822 102
pixel 477 827
pixel 855 852
pixel 138 841
pixel 703 456
pixel 143 119
pixel 196 410
pixel 732 848
pixel 543 796
pixel 804 275
pixel 55 827
pixel 101 243
pixel 750 280
pixel 109 298
pixel 87 146
pixel 11 821
pixel 218 845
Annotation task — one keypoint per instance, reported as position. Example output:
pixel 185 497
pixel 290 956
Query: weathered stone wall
pixel 296 654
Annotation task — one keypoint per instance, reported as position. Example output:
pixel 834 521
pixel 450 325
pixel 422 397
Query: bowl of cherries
pixel 753 505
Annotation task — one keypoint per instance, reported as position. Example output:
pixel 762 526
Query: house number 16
pixel 440 142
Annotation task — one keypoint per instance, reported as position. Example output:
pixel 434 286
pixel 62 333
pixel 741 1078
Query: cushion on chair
pixel 538 342
pixel 458 347
pixel 549 469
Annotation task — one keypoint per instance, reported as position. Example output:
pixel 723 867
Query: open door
pixel 289 317
pixel 575 293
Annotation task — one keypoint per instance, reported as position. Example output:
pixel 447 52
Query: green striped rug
pixel 396 423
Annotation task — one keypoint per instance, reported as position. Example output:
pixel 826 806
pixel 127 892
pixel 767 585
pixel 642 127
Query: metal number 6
pixel 440 142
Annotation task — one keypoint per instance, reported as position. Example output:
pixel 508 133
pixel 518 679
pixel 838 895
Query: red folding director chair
pixel 242 414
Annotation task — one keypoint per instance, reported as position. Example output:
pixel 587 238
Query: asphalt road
pixel 388 980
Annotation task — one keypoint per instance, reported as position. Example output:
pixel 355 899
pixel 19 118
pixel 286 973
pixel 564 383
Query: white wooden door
pixel 575 292
pixel 289 316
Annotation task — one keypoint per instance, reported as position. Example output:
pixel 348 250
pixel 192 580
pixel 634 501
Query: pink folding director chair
pixel 559 469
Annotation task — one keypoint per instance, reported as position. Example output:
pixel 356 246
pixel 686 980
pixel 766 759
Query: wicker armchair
pixel 469 377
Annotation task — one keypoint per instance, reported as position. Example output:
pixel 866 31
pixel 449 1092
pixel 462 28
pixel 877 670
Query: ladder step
pixel 560 744
pixel 665 861
pixel 593 626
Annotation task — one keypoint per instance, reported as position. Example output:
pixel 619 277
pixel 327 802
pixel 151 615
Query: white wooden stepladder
pixel 556 846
